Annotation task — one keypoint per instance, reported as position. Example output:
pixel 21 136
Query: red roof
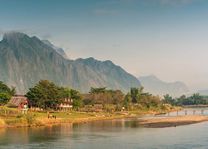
pixel 17 100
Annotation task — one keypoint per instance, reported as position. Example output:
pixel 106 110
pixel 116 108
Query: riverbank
pixel 172 121
pixel 35 119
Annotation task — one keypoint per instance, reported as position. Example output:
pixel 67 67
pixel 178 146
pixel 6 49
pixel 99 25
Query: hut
pixel 18 101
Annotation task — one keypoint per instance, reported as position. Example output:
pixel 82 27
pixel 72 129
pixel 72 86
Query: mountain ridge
pixel 58 50
pixel 25 60
pixel 156 86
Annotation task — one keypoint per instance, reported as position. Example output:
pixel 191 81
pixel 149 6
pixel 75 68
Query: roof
pixel 17 100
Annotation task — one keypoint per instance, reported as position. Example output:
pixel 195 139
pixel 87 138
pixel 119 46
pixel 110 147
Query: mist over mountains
pixel 25 60
pixel 158 87
pixel 58 50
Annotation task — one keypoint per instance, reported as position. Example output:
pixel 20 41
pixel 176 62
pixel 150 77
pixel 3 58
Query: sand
pixel 156 122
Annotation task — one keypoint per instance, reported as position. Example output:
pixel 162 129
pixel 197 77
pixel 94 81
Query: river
pixel 110 134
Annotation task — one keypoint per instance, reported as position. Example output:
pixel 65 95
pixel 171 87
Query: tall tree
pixel 5 93
pixel 127 101
pixel 45 95
pixel 77 99
pixel 136 94
pixel 168 99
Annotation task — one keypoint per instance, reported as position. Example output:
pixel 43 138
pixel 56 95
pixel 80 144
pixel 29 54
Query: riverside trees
pixel 195 99
pixel 134 99
pixel 137 96
pixel 104 96
pixel 47 95
pixel 5 93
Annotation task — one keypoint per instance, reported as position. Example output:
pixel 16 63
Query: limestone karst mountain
pixel 158 87
pixel 25 60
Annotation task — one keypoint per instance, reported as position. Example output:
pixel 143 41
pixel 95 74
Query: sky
pixel 167 38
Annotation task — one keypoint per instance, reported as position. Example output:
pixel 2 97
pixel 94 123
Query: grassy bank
pixel 13 118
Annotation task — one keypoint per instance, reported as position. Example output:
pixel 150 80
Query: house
pixel 66 104
pixel 18 101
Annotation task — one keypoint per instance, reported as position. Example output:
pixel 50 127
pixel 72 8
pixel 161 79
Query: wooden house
pixel 67 104
pixel 18 101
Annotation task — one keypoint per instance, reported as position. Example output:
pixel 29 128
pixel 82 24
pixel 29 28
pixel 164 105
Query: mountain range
pixel 201 92
pixel 158 87
pixel 25 60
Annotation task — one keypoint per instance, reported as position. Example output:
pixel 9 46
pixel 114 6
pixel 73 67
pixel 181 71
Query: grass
pixel 2 122
pixel 12 117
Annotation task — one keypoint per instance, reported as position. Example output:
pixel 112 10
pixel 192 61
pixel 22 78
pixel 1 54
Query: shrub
pixel 30 118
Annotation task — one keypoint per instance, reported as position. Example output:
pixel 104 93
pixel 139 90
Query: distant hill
pixel 202 92
pixel 25 60
pixel 158 87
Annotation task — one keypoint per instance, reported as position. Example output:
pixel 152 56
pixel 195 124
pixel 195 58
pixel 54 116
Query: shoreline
pixel 172 121
pixel 49 122
pixel 153 122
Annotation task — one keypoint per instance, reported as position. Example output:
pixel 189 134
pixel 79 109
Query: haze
pixel 167 38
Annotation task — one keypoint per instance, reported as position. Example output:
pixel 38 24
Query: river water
pixel 110 134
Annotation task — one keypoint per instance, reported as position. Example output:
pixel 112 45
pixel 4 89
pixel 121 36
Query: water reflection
pixel 109 125
pixel 119 133
pixel 36 134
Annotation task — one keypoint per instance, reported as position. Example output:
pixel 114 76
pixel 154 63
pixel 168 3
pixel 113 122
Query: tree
pixel 117 97
pixel 168 99
pixel 104 96
pixel 181 99
pixel 97 90
pixel 136 94
pixel 6 93
pixel 197 99
pixel 4 98
pixel 45 95
pixel 64 93
pixel 77 99
pixel 127 101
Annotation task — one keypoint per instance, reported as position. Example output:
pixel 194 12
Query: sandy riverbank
pixel 35 119
pixel 44 121
pixel 172 121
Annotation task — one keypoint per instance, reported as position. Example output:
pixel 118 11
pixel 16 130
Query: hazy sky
pixel 168 38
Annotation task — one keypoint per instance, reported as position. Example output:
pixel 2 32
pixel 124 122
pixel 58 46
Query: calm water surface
pixel 112 134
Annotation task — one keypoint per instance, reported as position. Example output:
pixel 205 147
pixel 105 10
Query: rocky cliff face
pixel 25 60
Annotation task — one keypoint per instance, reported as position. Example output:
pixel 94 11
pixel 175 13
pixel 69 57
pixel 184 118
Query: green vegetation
pixel 5 93
pixel 195 99
pixel 99 103
pixel 47 95
pixel 115 100
pixel 143 100
pixel 136 94
pixel 103 96
pixel 77 99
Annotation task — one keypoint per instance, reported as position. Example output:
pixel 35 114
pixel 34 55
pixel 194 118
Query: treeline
pixel 115 100
pixel 48 95
pixel 195 99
